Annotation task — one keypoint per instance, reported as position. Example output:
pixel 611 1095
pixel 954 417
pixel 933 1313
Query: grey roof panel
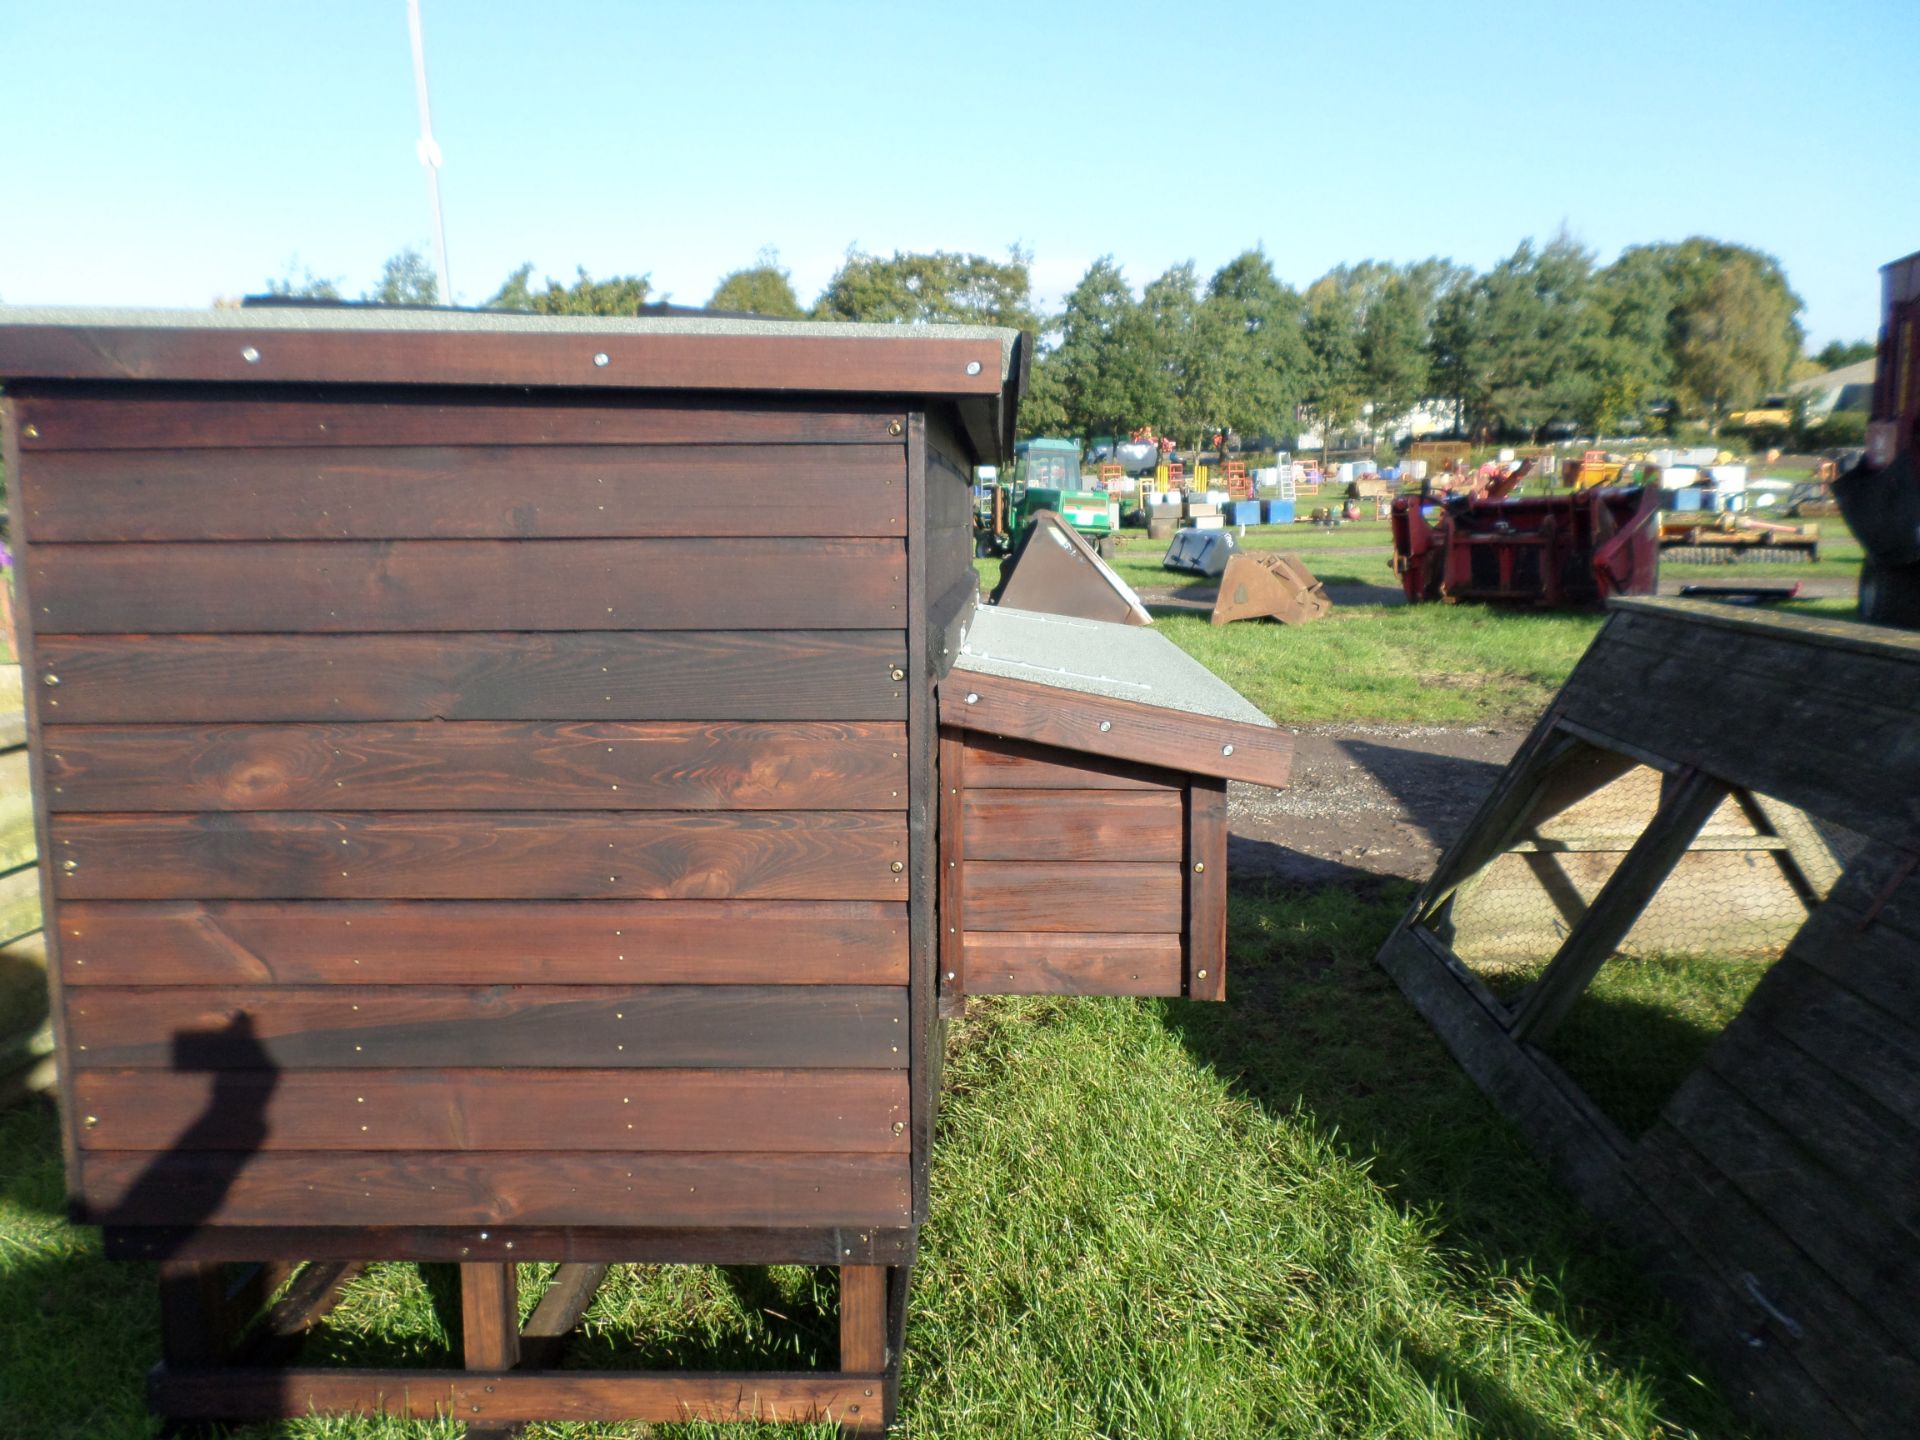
pixel 1098 657
pixel 488 322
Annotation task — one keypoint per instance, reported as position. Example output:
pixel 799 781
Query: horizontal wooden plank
pixel 1072 825
pixel 1871 1149
pixel 1858 1041
pixel 1114 729
pixel 1096 898
pixel 424 942
pixel 1857 760
pixel 1846 1232
pixel 307 586
pixel 476 765
pixel 994 764
pixel 158 416
pixel 601 358
pixel 482 855
pixel 499 1187
pixel 622 1243
pixel 594 675
pixel 547 1109
pixel 445 492
pixel 508 1397
pixel 1044 964
pixel 575 1027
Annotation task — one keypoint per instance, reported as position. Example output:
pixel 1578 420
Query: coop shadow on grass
pixel 1313 1031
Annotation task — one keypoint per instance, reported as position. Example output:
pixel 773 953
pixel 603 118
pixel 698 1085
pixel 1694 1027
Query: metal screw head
pixel 1199 867
pixel 69 864
pixel 897 867
pixel 1200 974
pixel 32 432
pixel 973 367
pixel 972 698
pixel 601 358
pixel 250 355
pixel 894 427
pixel 898 673
pixel 899 1127
pixel 952 976
pixel 91 1121
pixel 1105 725
pixel 52 679
pixel 1226 749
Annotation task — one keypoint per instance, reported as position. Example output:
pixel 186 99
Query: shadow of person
pixel 187 1184
pixel 61 1297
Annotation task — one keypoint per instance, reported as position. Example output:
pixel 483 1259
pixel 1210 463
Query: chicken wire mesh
pixel 1723 915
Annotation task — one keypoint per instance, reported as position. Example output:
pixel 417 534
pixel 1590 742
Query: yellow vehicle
pixel 1775 412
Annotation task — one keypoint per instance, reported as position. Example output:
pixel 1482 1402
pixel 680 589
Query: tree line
pixel 1693 329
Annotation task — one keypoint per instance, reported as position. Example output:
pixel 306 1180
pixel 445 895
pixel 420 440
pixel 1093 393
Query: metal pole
pixel 429 151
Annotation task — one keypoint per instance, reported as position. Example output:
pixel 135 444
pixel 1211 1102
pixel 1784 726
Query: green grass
pixel 1643 1025
pixel 1290 1215
pixel 1372 661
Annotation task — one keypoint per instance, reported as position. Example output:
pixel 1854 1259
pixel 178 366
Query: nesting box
pixel 496 808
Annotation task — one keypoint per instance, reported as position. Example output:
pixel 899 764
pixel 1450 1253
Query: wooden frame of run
pixel 1762 1187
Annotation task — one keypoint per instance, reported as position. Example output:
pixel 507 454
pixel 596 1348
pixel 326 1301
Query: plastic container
pixel 1279 512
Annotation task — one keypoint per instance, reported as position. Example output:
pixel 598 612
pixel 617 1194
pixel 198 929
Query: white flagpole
pixel 429 151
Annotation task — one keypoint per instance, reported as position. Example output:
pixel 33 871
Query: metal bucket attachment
pixel 1267 582
pixel 1199 552
pixel 1054 570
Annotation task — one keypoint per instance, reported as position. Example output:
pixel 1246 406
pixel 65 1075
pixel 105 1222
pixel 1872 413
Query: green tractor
pixel 1046 476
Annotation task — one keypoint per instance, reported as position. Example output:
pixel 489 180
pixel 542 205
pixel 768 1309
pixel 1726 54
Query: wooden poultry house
pixel 505 800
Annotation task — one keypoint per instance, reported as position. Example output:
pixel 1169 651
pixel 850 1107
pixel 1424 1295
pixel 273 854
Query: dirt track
pixel 1366 801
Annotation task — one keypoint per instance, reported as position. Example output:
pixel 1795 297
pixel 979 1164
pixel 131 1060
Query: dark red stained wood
pixel 1048 715
pixel 444 492
pixel 595 675
pixel 830 364
pixel 1207 890
pixel 1072 825
pixel 812 1027
pixel 851 1400
pixel 201 417
pixel 689 1110
pixel 421 942
pixel 513 1187
pixel 307 586
pixel 759 854
pixel 950 920
pixel 490 1316
pixel 1015 765
pixel 652 1245
pixel 477 765
pixel 1097 898
pixel 863 1318
pixel 1042 964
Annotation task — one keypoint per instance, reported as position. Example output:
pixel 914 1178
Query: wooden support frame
pixel 510 1377
pixel 1758 1193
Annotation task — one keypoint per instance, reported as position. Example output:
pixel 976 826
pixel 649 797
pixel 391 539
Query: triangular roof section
pixel 1117 691
pixel 1053 569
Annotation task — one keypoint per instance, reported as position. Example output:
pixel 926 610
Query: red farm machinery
pixel 1555 551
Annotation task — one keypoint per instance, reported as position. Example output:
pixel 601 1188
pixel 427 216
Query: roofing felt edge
pixel 374 320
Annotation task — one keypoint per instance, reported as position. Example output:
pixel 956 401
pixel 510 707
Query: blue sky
pixel 166 153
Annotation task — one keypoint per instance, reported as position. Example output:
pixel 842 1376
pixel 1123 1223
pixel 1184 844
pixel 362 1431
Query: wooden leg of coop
pixel 489 1317
pixel 863 1341
pixel 195 1314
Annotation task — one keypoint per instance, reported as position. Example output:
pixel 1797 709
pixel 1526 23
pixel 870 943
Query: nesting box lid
pixel 1107 689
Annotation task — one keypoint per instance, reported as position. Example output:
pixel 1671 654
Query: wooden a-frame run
pixel 1777 1196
